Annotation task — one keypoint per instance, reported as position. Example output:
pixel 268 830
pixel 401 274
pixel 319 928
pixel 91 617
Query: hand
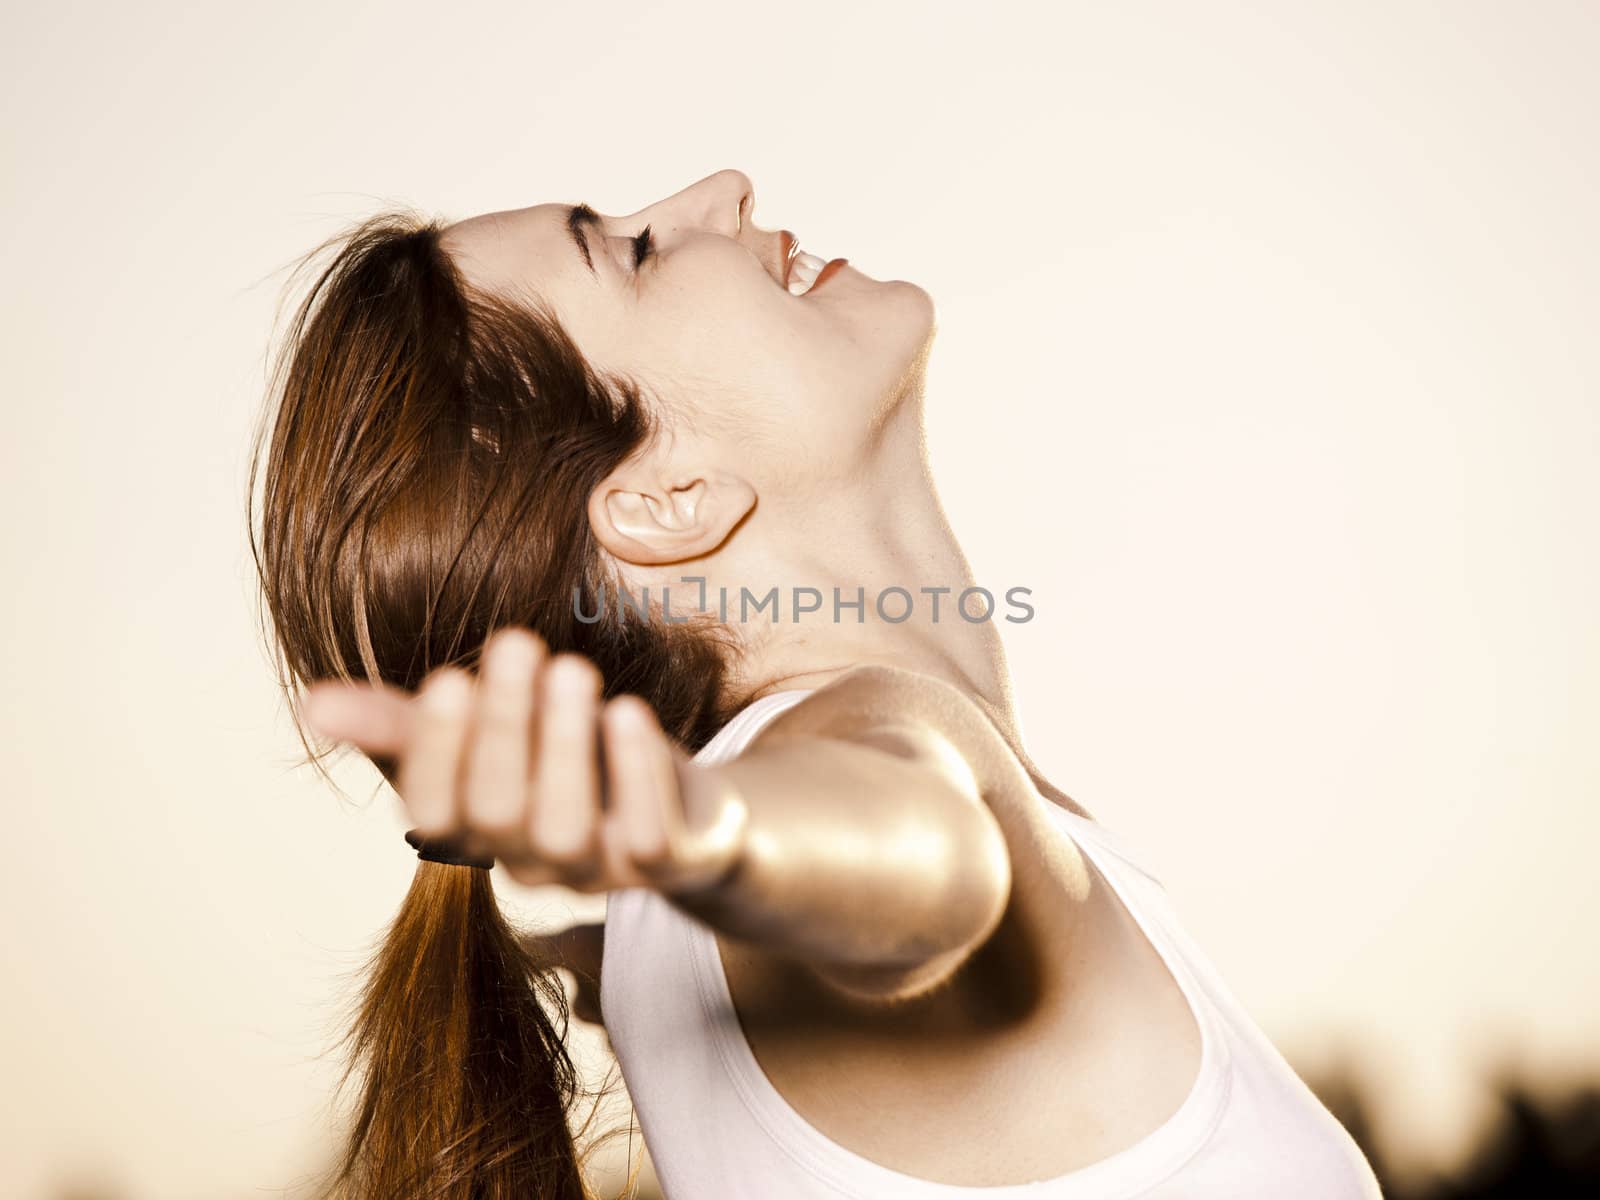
pixel 579 949
pixel 509 762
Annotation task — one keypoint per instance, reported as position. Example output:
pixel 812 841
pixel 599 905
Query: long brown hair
pixel 420 479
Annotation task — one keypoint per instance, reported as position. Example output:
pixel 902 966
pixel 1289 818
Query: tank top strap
pixel 1112 841
pixel 750 720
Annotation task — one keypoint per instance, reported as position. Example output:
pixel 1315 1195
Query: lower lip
pixel 829 270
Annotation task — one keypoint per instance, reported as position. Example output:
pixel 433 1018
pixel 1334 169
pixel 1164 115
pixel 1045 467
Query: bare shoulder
pixel 876 694
pixel 907 713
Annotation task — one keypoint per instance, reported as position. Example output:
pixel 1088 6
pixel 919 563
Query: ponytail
pixel 420 478
pixel 464 1079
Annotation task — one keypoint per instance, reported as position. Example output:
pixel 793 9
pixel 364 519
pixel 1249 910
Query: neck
pixel 878 529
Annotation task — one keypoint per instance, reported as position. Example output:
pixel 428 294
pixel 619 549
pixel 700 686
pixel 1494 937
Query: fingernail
pixel 513 653
pixel 447 693
pixel 314 709
pixel 571 676
pixel 631 711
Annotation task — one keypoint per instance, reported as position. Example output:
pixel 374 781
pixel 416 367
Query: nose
pixel 719 203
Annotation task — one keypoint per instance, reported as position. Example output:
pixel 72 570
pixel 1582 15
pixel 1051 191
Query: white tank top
pixel 717 1129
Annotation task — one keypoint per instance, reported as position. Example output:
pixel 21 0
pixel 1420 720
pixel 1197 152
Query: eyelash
pixel 643 246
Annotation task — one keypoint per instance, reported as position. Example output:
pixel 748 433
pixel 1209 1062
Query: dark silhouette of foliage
pixel 1543 1143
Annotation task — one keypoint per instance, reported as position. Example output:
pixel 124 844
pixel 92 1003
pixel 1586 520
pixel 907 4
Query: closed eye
pixel 643 247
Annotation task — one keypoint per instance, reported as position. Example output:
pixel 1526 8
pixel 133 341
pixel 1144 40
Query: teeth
pixel 803 273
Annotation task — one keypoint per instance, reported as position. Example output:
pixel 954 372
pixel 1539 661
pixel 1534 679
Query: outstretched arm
pixel 852 835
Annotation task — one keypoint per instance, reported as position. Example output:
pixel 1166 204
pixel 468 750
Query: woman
pixel 854 946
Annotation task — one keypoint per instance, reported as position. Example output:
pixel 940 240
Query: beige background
pixel 1267 360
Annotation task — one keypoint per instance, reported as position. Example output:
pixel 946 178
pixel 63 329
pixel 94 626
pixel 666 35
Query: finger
pixel 580 947
pixel 430 772
pixel 586 998
pixel 375 717
pixel 582 951
pixel 524 868
pixel 551 950
pixel 500 756
pixel 641 786
pixel 566 787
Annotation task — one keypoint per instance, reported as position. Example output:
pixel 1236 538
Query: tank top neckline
pixel 1123 1175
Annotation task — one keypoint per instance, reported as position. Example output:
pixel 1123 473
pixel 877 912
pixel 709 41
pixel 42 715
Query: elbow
pixel 979 883
pixel 967 861
pixel 965 889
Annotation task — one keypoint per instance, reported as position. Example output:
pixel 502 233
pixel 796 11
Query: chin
pixel 921 320
pixel 916 329
pixel 925 304
pixel 909 311
pixel 896 329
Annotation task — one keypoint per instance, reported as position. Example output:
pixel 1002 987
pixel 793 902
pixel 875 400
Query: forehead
pixel 517 249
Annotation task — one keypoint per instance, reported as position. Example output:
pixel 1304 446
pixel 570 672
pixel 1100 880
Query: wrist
pixel 714 834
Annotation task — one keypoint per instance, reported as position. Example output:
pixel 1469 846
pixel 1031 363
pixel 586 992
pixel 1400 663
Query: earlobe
pixel 655 525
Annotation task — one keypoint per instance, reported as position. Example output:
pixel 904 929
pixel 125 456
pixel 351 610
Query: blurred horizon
pixel 1539 1140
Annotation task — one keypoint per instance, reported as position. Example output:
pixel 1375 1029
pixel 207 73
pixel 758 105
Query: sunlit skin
pixel 799 416
pixel 793 453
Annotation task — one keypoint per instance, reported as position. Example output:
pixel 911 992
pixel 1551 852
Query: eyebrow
pixel 580 219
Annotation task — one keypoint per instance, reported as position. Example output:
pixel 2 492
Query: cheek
pixel 743 342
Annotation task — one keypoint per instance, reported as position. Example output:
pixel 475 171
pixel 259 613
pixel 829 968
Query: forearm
pixel 867 864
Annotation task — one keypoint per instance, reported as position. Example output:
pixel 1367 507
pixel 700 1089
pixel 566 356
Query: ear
pixel 644 516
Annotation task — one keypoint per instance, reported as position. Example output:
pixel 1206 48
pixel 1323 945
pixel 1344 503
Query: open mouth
pixel 802 271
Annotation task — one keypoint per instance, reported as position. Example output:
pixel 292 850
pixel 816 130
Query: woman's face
pixel 796 385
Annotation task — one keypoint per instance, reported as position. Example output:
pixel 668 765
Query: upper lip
pixel 788 247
